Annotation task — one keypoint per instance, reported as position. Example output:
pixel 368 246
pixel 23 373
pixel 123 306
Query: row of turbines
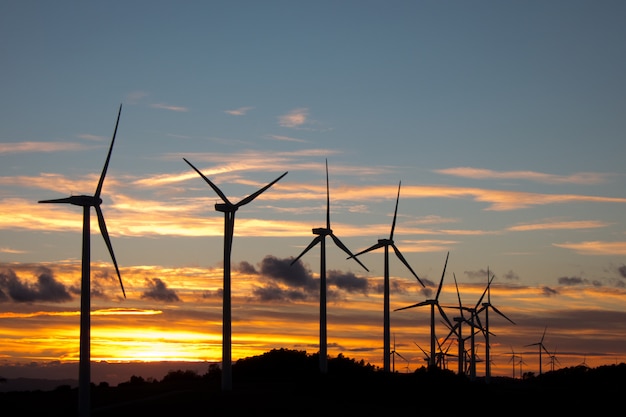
pixel 468 316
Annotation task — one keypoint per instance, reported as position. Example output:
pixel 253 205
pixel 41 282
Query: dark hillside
pixel 287 382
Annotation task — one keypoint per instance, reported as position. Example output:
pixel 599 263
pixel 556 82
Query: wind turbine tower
pixel 229 210
pixel 88 201
pixel 386 243
pixel 321 233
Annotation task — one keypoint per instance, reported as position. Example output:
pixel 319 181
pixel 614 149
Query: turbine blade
pixel 399 255
pixel 423 303
pixel 255 195
pixel 458 294
pixel 442 275
pixel 371 248
pixel 105 235
pixel 217 190
pixel 484 292
pixel 314 242
pixel 395 212
pixel 501 313
pixel 443 314
pixel 106 164
pixel 346 250
pixel 327 198
pixel 544 334
pixel 66 200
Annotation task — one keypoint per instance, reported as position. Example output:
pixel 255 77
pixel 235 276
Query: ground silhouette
pixel 288 382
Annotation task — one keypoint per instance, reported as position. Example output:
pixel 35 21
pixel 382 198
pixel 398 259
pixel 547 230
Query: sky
pixel 501 122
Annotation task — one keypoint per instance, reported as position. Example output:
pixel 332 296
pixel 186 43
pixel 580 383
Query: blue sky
pixel 503 120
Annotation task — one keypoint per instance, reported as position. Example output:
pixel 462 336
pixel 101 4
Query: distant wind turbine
pixel 229 210
pixel 395 353
pixel 386 243
pixel 321 233
pixel 88 201
pixel 541 347
pixel 513 360
pixel 434 302
pixel 485 307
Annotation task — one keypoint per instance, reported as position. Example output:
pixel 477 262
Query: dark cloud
pixel 572 281
pixel 272 292
pixel 622 271
pixel 347 281
pixel 547 291
pixel 246 268
pixel 511 276
pixel 157 290
pixel 47 288
pixel 281 270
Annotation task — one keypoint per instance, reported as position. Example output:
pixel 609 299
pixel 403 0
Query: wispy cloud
pixel 555 225
pixel 24 147
pixel 135 96
pixel 583 178
pixel 595 247
pixel 11 250
pixel 286 138
pixel 241 111
pixel 295 118
pixel 169 107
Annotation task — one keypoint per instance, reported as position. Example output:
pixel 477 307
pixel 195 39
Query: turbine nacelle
pixel 225 208
pixel 322 231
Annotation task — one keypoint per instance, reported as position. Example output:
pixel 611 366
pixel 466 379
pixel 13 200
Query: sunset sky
pixel 504 122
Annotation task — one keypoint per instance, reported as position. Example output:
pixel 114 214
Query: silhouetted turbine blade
pixel 105 235
pixel 395 212
pixel 346 250
pixel 371 248
pixel 66 200
pixel 442 276
pixel 106 164
pixel 327 199
pixel 458 294
pixel 484 292
pixel 255 195
pixel 422 303
pixel 314 242
pixel 399 255
pixel 502 314
pixel 217 190
pixel 443 314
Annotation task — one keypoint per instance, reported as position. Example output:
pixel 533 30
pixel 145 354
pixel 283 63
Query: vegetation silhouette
pixel 288 382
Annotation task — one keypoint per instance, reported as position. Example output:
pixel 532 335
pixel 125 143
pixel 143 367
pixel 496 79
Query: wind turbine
pixel 88 201
pixel 321 233
pixel 512 360
pixel 541 347
pixel 229 210
pixel 395 353
pixel 434 302
pixel 485 307
pixel 553 359
pixel 386 243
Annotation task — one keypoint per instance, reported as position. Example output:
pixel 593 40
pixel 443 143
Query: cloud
pixel 286 139
pixel 549 292
pixel 24 147
pixel 47 288
pixel 582 178
pixel 347 281
pixel 169 107
pixel 241 111
pixel 157 290
pixel 622 271
pixel 572 281
pixel 135 96
pixel 556 225
pixel 294 118
pixel 245 268
pixel 281 270
pixel 595 247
